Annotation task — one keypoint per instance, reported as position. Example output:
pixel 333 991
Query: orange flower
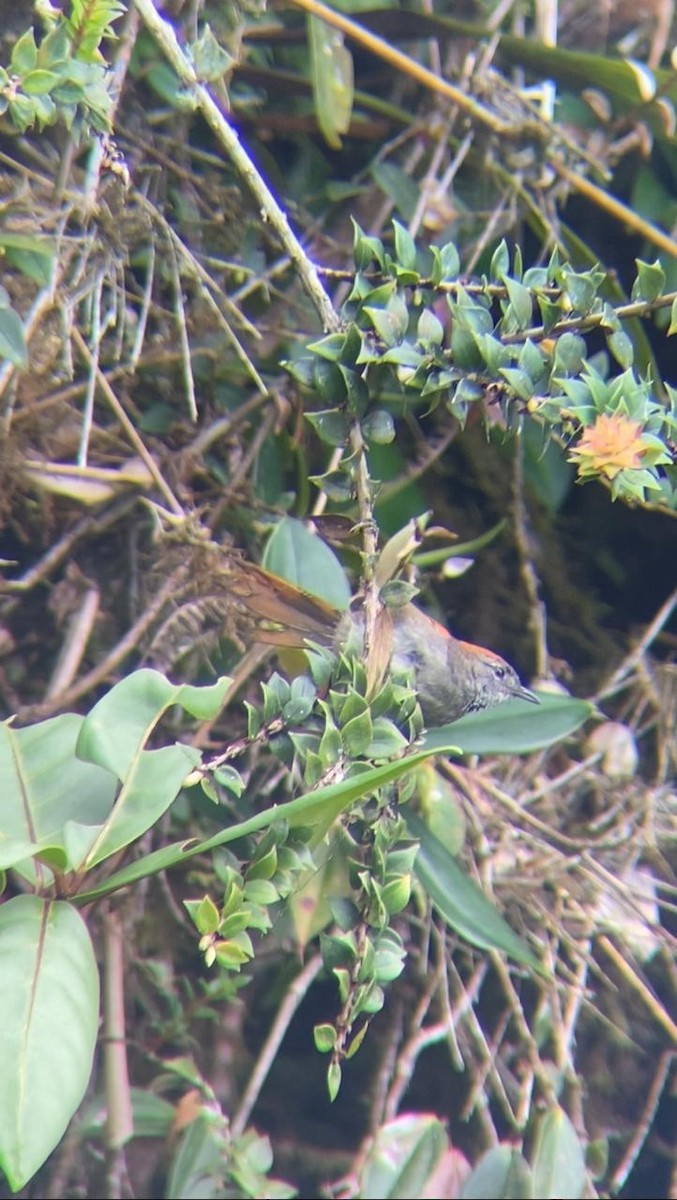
pixel 612 444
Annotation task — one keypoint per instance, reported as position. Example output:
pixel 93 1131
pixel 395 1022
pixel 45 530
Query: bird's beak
pixel 522 693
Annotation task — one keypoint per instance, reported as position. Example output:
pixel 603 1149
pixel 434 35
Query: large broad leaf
pixel 113 736
pixel 116 728
pixel 304 559
pixel 49 1014
pixel 558 1160
pixel 402 1157
pixel 60 779
pixel 44 787
pixel 501 1174
pixel 514 727
pixel 316 810
pixel 460 902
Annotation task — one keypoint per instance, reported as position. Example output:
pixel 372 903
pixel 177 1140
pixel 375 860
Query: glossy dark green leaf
pixel 316 809
pixel 501 1174
pixel 461 902
pixel 305 560
pixel 514 727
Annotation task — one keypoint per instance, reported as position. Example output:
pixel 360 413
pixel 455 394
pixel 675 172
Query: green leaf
pixel 546 470
pixel 204 914
pixel 558 1161
pixel 33 256
pixel 356 735
pixel 389 955
pixel 514 727
pixel 459 900
pixel 49 1016
pixel 24 54
pixel 261 891
pixel 622 348
pixel 366 249
pixel 330 347
pixel 120 723
pixel 23 111
pixel 386 739
pixel 39 83
pixel 500 262
pixel 50 799
pixel 379 427
pixel 331 66
pixel 12 339
pixel 405 247
pixel 113 736
pixel 324 1037
pixel 501 1174
pixel 398 186
pixel 402 1158
pixel 518 381
pixel 316 809
pixel 569 354
pixel 210 60
pixel 331 426
pixel 333 1080
pixel 650 280
pixel 518 313
pixel 391 322
pixel 446 263
pixel 301 700
pixel 305 560
pixel 430 329
pixel 396 894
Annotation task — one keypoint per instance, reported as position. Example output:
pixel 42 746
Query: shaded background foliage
pixel 148 285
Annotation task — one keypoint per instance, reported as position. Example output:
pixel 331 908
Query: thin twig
pixel 75 643
pixel 95 350
pixel 643 1127
pixel 402 62
pixel 184 341
pixel 638 985
pixel 637 653
pixel 137 441
pixel 270 1047
pixel 530 580
pixel 104 669
pixel 228 138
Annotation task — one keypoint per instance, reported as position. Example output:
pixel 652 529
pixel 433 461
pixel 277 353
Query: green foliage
pixel 369 857
pixel 76 790
pixel 89 23
pixel 79 790
pixel 270 876
pixel 413 328
pixel 555 1171
pixel 50 1013
pixel 65 75
pixel 12 339
pixel 402 1158
pixel 209 1161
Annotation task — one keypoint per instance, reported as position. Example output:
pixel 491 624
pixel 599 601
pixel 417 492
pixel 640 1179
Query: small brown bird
pixel 451 677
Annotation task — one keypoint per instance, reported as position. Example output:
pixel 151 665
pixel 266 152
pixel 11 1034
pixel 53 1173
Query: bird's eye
pixel 499 672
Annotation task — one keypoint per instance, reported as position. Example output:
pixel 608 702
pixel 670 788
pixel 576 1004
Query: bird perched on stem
pixel 451 677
